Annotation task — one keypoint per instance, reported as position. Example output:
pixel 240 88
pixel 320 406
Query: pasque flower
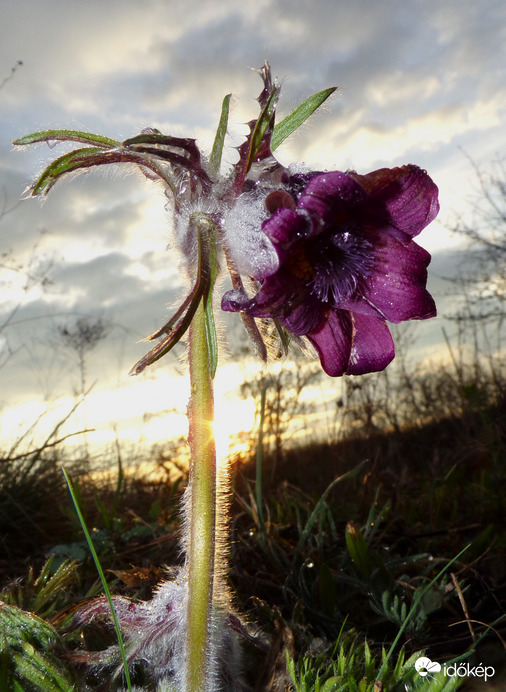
pixel 346 262
pixel 333 258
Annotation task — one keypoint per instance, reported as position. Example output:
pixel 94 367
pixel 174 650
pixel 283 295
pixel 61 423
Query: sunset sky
pixel 419 82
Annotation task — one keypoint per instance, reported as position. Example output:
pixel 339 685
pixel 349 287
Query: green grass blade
pixel 119 484
pixel 298 116
pixel 49 587
pixel 102 579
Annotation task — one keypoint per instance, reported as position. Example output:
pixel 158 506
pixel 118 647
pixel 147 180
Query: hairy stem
pixel 201 512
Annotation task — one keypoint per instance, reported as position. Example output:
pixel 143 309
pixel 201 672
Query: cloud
pixel 360 143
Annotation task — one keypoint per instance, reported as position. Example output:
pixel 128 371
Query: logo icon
pixel 424 666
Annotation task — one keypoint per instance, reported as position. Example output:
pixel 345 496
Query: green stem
pixel 201 512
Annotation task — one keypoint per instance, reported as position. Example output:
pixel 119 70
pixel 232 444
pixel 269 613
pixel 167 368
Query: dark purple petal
pixel 285 227
pixel 373 346
pixel 395 288
pixel 406 197
pixel 272 297
pixel 352 344
pixel 282 296
pixel 306 317
pixel 333 341
pixel 327 194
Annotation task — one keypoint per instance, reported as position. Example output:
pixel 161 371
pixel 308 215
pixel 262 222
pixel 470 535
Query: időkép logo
pixel 425 666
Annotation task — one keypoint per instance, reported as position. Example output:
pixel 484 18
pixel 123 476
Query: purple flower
pixel 346 263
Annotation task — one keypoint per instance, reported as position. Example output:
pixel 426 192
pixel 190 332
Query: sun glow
pixel 233 417
pixel 145 413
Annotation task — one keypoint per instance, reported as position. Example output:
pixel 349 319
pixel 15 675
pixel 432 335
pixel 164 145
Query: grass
pixel 347 562
pixel 98 565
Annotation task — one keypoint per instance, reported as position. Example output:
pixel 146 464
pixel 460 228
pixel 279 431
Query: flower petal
pixel 352 344
pixel 326 193
pixel 333 342
pixel 396 284
pixel 306 317
pixel 373 346
pixel 406 197
pixel 284 228
pixel 281 296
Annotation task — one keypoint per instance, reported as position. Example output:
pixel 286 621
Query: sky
pixel 419 81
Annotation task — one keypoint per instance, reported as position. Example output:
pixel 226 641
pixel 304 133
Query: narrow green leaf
pixel 298 116
pixel 159 139
pixel 168 343
pixel 35 666
pixel 209 259
pixel 202 290
pixel 67 136
pixel 94 156
pixel 212 341
pixel 102 579
pixel 48 587
pixel 261 126
pixel 181 320
pixel 80 158
pixel 219 140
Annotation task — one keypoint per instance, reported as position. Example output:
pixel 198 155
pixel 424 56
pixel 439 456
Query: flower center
pixel 299 263
pixel 342 262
